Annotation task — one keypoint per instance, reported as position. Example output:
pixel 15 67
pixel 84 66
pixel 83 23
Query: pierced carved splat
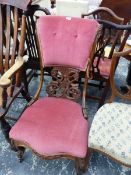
pixel 64 83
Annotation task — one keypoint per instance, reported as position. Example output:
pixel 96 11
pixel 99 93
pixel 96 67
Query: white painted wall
pixel 75 7
pixel 70 7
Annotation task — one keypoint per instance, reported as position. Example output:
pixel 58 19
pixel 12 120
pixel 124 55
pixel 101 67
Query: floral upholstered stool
pixel 110 132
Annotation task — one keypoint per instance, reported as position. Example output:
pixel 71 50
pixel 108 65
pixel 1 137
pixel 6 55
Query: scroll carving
pixel 64 83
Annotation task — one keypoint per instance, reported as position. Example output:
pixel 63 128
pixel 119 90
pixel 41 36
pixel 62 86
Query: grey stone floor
pixel 33 165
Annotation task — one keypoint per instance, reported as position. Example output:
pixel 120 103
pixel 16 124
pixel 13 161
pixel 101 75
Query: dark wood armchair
pixel 16 28
pixel 107 43
pixel 12 42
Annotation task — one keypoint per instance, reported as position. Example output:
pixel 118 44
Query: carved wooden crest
pixel 64 83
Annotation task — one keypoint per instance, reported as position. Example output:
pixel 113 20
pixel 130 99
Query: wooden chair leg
pixel 77 167
pixel 26 95
pixel 13 147
pixel 35 73
pixel 104 95
pixel 20 153
pixel 24 79
pixel 81 164
pixel 101 85
pixel 5 127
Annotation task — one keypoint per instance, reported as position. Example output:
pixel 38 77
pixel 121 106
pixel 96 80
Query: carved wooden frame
pixel 64 80
pixel 68 83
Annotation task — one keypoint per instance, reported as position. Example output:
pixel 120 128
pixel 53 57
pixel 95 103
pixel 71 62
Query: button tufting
pixel 75 35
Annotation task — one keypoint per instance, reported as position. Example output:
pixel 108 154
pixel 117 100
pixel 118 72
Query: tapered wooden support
pixel 81 165
pixel 20 153
pixel 5 127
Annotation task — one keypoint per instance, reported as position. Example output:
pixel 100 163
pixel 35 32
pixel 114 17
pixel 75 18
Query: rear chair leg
pixel 5 127
pixel 20 153
pixel 104 95
pixel 26 95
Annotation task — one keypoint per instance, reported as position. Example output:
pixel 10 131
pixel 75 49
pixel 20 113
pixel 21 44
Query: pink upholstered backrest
pixel 22 4
pixel 66 41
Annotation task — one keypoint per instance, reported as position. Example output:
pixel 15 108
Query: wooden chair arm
pixel 105 14
pixel 103 9
pixel 122 54
pixel 5 79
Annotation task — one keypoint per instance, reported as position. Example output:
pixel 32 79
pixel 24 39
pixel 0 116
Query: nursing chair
pixel 110 39
pixel 110 132
pixel 55 126
pixel 14 31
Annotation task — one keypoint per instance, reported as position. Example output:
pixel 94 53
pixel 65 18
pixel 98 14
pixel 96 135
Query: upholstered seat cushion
pixel 111 131
pixel 53 126
pixel 104 66
pixel 66 41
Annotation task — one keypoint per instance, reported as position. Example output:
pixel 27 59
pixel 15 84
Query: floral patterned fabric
pixel 111 131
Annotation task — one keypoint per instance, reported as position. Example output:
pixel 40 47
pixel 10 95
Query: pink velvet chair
pixel 56 126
